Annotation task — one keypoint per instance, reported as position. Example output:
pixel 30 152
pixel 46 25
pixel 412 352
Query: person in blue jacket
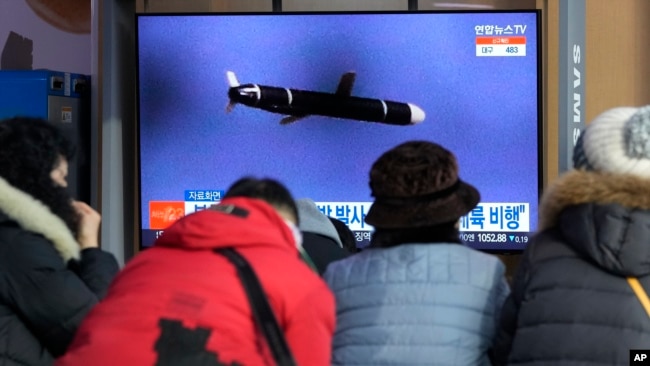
pixel 417 295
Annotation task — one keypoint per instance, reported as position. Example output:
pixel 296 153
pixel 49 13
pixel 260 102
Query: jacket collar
pixel 605 217
pixel 580 187
pixel 32 215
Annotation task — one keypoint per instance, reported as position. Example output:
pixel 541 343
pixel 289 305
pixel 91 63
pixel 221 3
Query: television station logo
pixel 497 41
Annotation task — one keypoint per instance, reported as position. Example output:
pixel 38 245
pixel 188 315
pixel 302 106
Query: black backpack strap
pixel 261 309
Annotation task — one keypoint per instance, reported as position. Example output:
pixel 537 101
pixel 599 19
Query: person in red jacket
pixel 180 303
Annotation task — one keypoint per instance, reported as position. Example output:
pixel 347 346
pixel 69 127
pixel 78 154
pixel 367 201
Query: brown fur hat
pixel 416 184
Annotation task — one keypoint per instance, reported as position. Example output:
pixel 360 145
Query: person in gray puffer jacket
pixel 417 295
pixel 571 302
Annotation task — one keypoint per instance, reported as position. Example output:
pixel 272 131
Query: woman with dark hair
pixel 51 269
pixel 417 295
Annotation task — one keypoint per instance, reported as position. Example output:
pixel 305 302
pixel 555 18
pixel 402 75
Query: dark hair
pixel 30 148
pixel 345 234
pixel 443 233
pixel 266 189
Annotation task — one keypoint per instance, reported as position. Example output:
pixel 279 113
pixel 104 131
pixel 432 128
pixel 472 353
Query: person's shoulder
pixel 23 247
pixel 437 254
pixel 294 279
pixel 547 245
pixel 9 229
pixel 479 256
pixel 282 265
pixel 339 273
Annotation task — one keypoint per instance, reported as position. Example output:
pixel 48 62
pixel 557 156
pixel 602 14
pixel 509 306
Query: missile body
pixel 297 104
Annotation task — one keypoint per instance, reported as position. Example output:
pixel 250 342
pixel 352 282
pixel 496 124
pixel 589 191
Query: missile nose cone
pixel 417 114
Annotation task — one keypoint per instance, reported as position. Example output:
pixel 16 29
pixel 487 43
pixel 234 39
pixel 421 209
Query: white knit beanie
pixel 617 141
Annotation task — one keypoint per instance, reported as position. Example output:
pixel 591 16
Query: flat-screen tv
pixel 313 99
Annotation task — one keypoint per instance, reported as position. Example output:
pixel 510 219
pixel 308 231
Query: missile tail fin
pixel 232 79
pixel 291 119
pixel 345 84
pixel 233 83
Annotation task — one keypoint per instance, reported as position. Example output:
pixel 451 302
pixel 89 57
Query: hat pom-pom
pixel 637 134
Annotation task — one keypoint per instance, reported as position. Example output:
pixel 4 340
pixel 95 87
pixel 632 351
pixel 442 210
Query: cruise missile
pixel 297 104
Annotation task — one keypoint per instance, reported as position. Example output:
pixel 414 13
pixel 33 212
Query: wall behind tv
pixel 45 34
pixel 618 63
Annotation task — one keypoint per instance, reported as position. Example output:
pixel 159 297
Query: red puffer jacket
pixel 178 303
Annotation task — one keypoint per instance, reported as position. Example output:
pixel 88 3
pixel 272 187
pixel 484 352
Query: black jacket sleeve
pixel 96 269
pixel 322 250
pixel 47 295
pixel 510 313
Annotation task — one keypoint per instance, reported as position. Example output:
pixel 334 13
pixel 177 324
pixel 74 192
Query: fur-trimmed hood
pixel 604 216
pixel 32 215
pixel 578 187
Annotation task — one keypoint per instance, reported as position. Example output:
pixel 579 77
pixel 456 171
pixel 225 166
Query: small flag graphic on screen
pixel 640 357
